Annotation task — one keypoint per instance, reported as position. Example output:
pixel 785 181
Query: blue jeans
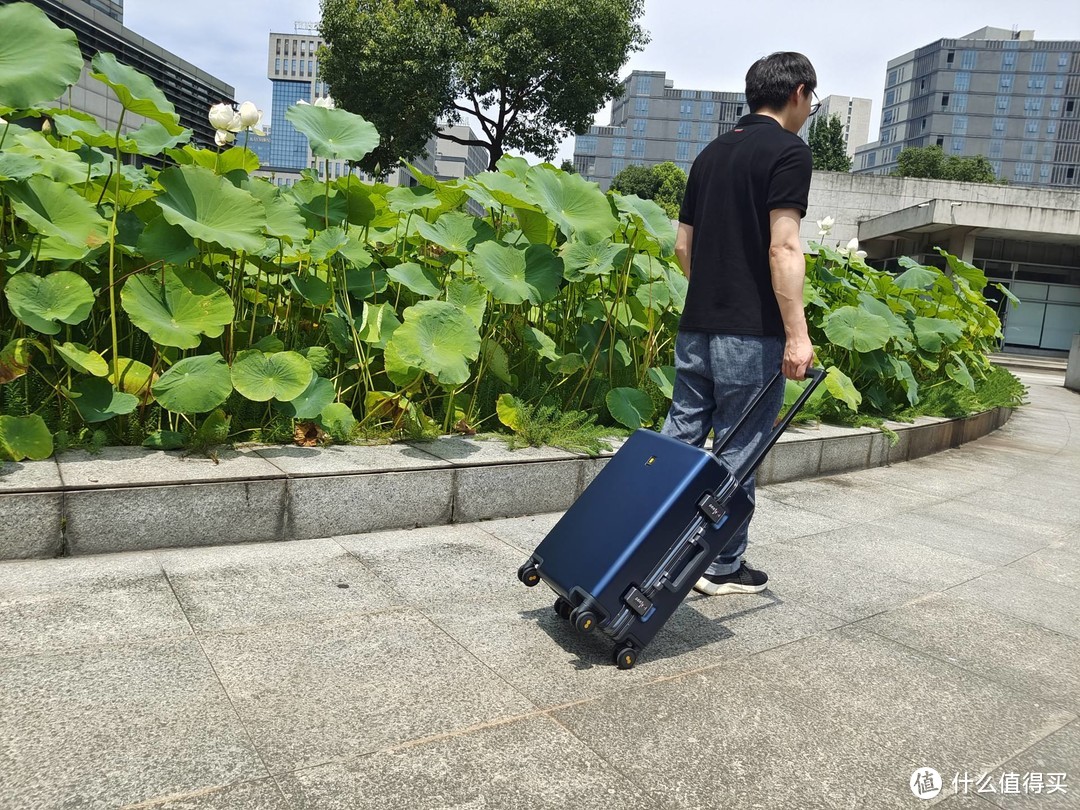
pixel 716 377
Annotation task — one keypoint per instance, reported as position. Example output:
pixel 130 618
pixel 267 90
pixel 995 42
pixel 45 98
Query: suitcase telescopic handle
pixel 815 375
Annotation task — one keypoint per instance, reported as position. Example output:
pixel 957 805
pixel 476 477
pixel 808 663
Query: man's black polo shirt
pixel 733 185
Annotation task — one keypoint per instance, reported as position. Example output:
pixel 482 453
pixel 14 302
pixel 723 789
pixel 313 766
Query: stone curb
pixel 128 499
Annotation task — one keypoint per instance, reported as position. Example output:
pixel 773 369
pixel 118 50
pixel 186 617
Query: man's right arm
pixel 684 240
pixel 788 268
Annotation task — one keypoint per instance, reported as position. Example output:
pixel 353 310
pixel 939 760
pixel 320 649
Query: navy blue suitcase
pixel 629 550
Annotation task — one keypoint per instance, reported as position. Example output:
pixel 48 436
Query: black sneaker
pixel 745 580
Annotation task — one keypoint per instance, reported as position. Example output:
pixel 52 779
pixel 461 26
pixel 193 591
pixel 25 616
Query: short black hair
pixel 772 79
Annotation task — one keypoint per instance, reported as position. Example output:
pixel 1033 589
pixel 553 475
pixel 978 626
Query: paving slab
pixel 349 504
pixel 120 466
pixel 345 459
pixel 272 583
pixel 718 739
pixel 1059 563
pixel 534 763
pixel 261 794
pixel 1025 657
pixel 978 539
pixel 775 520
pixel 522 533
pixel 138 518
pixel 31 525
pixel 29 476
pixel 895 551
pixel 1053 606
pixel 1057 754
pixel 119 724
pixel 842 497
pixel 316 692
pixel 54 605
pixel 835 587
pixel 921 708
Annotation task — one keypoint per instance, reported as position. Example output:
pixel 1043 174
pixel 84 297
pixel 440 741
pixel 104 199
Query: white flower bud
pixel 223 137
pixel 221 115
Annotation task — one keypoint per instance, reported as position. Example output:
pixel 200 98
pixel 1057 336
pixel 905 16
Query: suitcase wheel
pixel 584 620
pixel 625 657
pixel 527 574
pixel 563 609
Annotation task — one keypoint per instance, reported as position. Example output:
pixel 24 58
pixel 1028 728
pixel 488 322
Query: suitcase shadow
pixel 688 629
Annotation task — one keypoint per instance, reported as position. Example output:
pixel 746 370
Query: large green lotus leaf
pixel 958 373
pixel 15 359
pixel 339 331
pixel 975 277
pixel 153 138
pixel 916 277
pixel 160 241
pixel 195 384
pixel 539 343
pixel 514 276
pixel 135 378
pixel 650 216
pixel 356 254
pixel 456 232
pixel 40 302
pixel 594 259
pixel 401 373
pixel 38 60
pixel 327 243
pixel 175 313
pixel 18 167
pixel 678 285
pixel 318 356
pixel 378 324
pixel 211 208
pixel 405 199
pixel 358 200
pixel 136 92
pixel 630 407
pixel 366 283
pixel 664 377
pixel 577 206
pixel 854 328
pixel 312 402
pixel 842 388
pixel 496 360
pixel 338 420
pixel 83 359
pixel 164 440
pixel 535 226
pixel 934 333
pixel 505 190
pixel 418 279
pixel 470 296
pixel 451 193
pixel 55 163
pixel 261 377
pixel 514 166
pixel 56 210
pixel 440 338
pixel 655 295
pixel 97 401
pixel 568 364
pixel 314 289
pixel 334 134
pixel 283 219
pixel 898 327
pixel 25 436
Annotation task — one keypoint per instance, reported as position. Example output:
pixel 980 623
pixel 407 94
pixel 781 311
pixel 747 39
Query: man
pixel 738 243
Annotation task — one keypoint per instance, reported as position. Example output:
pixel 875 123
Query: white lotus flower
pixel 825 225
pixel 852 249
pixel 325 102
pixel 224 137
pixel 221 116
pixel 251 118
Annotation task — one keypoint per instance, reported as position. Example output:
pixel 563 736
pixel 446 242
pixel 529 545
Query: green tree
pixel 568 167
pixel 664 183
pixel 930 162
pixel 531 72
pixel 826 139
pixel 638 180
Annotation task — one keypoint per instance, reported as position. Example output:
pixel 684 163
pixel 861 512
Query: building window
pixel 890 98
pixel 1063 59
pixel 957 146
pixel 682 151
pixel 999 125
pixel 637 148
pixel 1028 151
pixel 293 67
pixel 639 126
pixel 708 109
pixel 959 102
pixel 1022 171
pixel 1008 60
pixel 277 65
pixel 896 153
pixel 1051 128
pixel 642 106
pixel 684 129
pixel 644 85
pixel 886 136
pixel 286 47
pixel 969 59
pixel 887 117
pixel 1032 127
pixel 705 131
pixel 940 140
pixel 959 125
pixel 617 165
pixel 996 166
pixel 949 57
pixel 1033 107
pixel 1059 83
pixel 962 81
pixel 1006 81
pixel 1037 83
pixel 870 161
pixel 944 99
pixel 618 147
pixel 1002 103
pixel 277 46
pixel 995 148
pixel 686 109
pixel 1044 173
pixel 1038 61
pixel 303 47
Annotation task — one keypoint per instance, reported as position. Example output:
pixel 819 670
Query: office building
pixel 98 27
pixel 654 122
pixel 854 115
pixel 993 92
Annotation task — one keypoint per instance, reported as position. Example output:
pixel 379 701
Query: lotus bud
pixel 325 102
pixel 46 126
pixel 853 245
pixel 223 137
pixel 825 225
pixel 221 115
pixel 249 115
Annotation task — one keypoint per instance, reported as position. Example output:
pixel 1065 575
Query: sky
pixel 701 44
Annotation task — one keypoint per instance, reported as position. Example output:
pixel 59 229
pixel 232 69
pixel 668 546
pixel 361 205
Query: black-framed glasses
pixel 816 105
